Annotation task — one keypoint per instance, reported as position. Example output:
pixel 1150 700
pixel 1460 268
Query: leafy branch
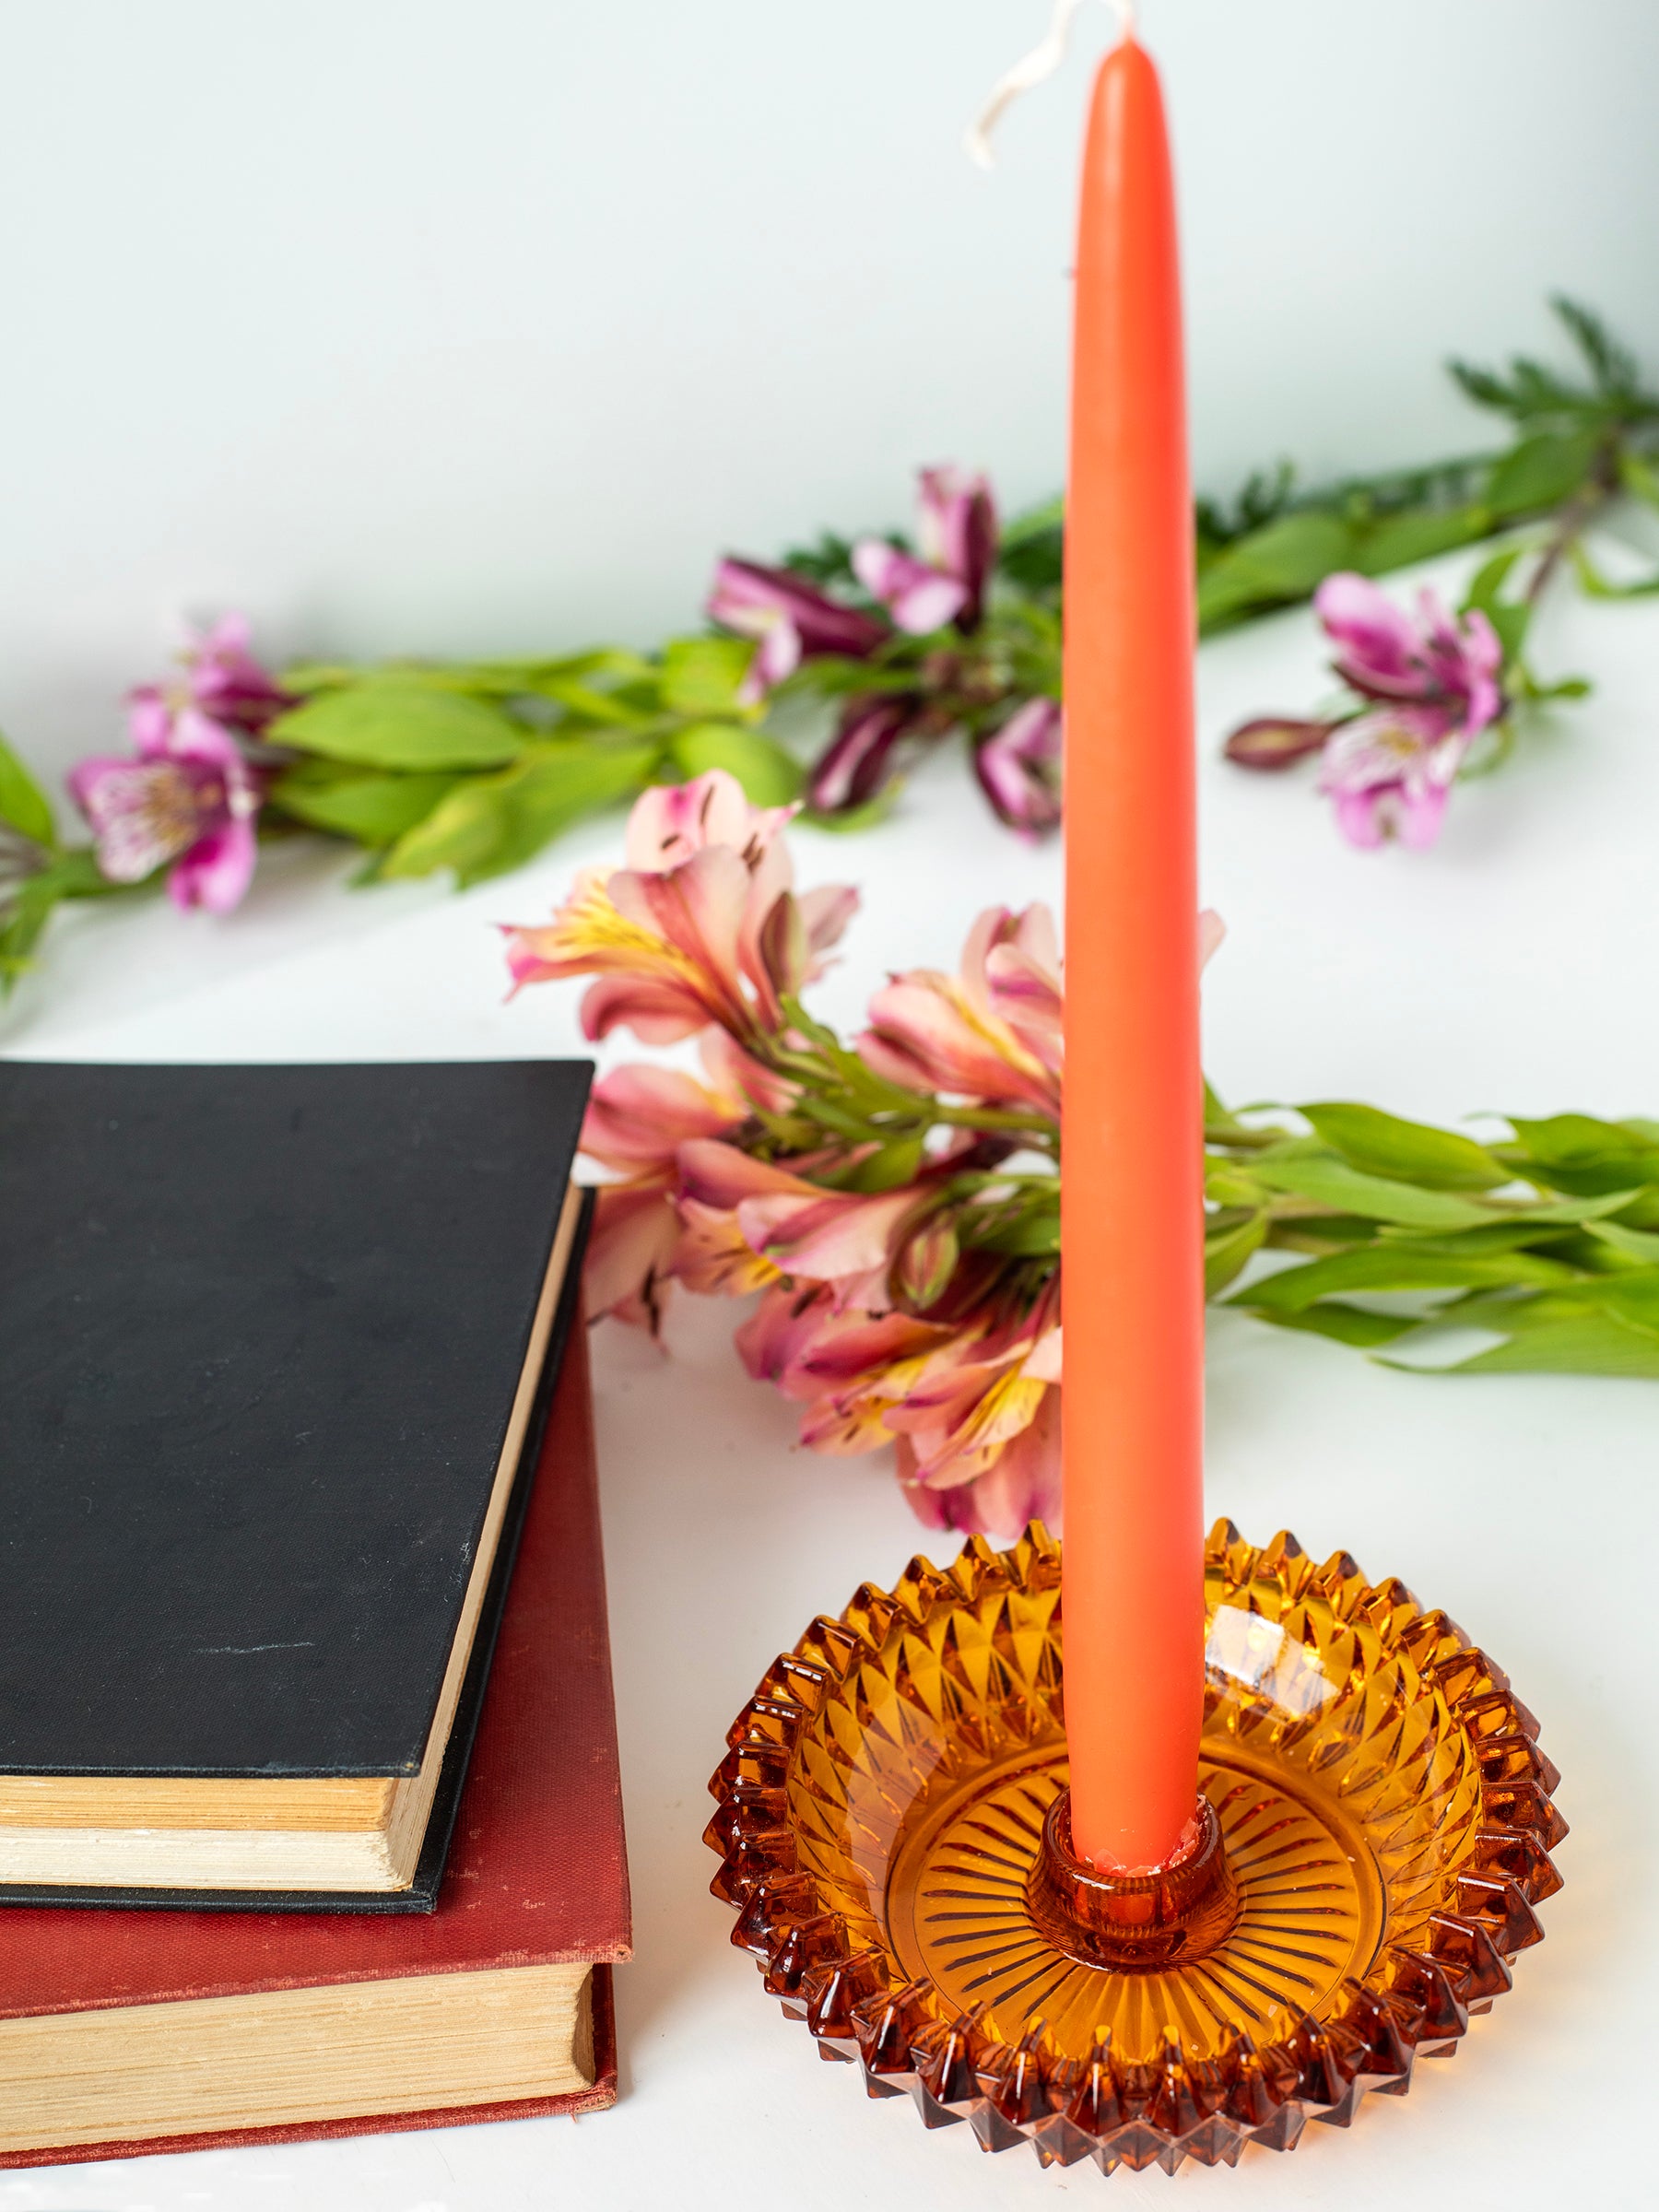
pixel 473 767
pixel 1394 1233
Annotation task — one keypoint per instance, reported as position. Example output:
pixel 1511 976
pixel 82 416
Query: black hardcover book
pixel 274 1342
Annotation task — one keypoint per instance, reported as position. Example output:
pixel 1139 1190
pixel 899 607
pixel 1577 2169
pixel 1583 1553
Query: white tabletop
pixel 1512 968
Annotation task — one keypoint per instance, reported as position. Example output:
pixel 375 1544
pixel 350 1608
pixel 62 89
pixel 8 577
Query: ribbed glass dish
pixel 1383 1803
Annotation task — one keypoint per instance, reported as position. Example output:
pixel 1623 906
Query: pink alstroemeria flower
pixel 186 803
pixel 1018 768
pixel 637 1119
pixel 988 1426
pixel 972 1411
pixel 702 926
pixel 789 619
pixel 995 1032
pixel 843 1239
pixel 991 1033
pixel 1021 1484
pixel 957 538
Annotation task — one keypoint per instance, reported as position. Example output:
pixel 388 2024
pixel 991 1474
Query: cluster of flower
pixel 865 1193
pixel 960 683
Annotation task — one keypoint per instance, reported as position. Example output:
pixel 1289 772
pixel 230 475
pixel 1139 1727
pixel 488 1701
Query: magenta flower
pixel 1390 774
pixel 1434 682
pixel 1435 661
pixel 789 619
pixel 188 803
pixel 221 679
pixel 920 599
pixel 863 756
pixel 1018 768
pixel 959 534
pixel 959 544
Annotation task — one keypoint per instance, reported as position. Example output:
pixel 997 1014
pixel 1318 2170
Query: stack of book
pixel 309 1817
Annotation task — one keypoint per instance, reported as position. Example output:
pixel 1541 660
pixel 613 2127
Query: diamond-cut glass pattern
pixel 1386 1815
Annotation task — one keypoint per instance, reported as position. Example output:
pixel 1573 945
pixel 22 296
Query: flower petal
pixel 631 1251
pixel 1379 641
pixel 754 600
pixel 142 813
pixel 1275 741
pixel 1018 768
pixel 958 532
pixel 218 869
pixel 863 756
pixel 640 1115
pixel 671 821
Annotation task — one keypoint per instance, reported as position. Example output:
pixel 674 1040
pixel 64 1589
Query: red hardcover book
pixel 128 2033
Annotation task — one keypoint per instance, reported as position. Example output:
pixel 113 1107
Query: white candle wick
pixel 1032 69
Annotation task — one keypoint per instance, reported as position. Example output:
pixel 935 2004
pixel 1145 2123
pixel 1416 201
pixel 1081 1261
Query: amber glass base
pixel 1379 1800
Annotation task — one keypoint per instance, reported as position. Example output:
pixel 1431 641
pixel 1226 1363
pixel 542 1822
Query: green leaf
pixel 1567 687
pixel 1348 1325
pixel 20 927
pixel 888 1169
pixel 603 709
pixel 488 824
pixel 1633 1298
pixel 1389 1267
pixel 1285 559
pixel 770 776
pixel 1030 1233
pixel 701 675
pixel 1513 1232
pixel 1542 472
pixel 1381 1143
pixel 1588 1344
pixel 392 722
pixel 305 677
pixel 1634 1244
pixel 69 875
pixel 854 819
pixel 1511 619
pixel 1229 1248
pixel 370 809
pixel 23 803
pixel 1639 478
pixel 1568 1210
pixel 1396 541
pixel 1579 1154
pixel 73 873
pixel 1611 365
pixel 1486 586
pixel 1331 1181
pixel 1594 586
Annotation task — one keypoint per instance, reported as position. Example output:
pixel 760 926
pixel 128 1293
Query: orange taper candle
pixel 1132 1182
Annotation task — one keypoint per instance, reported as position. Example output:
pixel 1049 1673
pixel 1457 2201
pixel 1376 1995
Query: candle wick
pixel 1032 69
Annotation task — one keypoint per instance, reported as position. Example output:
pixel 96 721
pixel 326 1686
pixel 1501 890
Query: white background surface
pixel 416 325
pixel 1509 968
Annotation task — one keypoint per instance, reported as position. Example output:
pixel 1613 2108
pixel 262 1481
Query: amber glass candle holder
pixel 1375 1830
